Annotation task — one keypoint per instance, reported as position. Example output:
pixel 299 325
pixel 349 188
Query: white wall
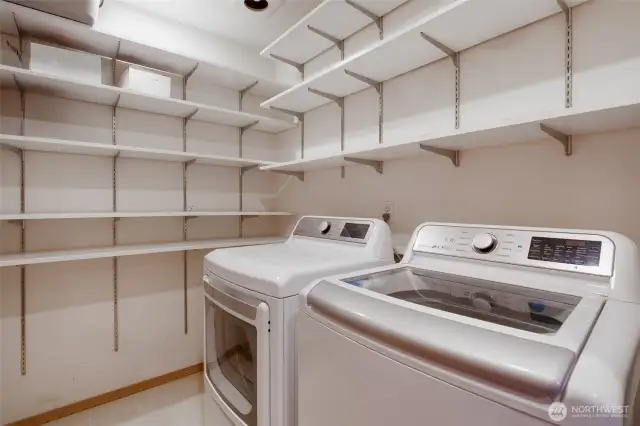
pixel 517 76
pixel 69 305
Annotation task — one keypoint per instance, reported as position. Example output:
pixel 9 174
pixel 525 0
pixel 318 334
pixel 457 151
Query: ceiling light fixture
pixel 256 5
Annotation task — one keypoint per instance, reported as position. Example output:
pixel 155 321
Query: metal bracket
pixel 244 91
pixel 188 218
pixel 299 175
pixel 115 105
pixel 190 162
pixel 337 99
pixel 296 114
pixel 568 53
pixel 248 126
pixel 377 165
pixel 565 140
pixel 298 66
pixel 117 155
pixel 375 18
pixel 190 116
pixel 373 83
pixel 18 85
pixel 452 155
pixel 248 216
pixel 188 75
pixel 455 57
pixel 450 52
pixel 16 222
pixel 18 51
pixel 15 150
pixel 245 169
pixel 339 43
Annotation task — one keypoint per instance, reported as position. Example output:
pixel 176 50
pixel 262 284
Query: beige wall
pixel 515 77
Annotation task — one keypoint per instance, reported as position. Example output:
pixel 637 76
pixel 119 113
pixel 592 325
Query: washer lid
pixel 282 270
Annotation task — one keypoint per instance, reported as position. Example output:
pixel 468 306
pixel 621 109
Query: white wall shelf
pixel 123 215
pixel 82 37
pixel 456 25
pixel 338 19
pixel 22 259
pixel 30 143
pixel 566 121
pixel 110 95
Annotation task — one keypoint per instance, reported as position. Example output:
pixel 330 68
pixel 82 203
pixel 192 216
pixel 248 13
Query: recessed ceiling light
pixel 256 5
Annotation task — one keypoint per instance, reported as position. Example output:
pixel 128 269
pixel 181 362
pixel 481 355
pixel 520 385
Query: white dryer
pixel 251 304
pixel 478 325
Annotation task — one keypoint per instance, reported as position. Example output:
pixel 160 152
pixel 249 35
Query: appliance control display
pixel 560 250
pixel 355 230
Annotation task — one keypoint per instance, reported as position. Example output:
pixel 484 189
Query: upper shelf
pixel 456 25
pixel 133 215
pixel 337 18
pixel 82 37
pixel 31 143
pixel 110 95
pixel 567 122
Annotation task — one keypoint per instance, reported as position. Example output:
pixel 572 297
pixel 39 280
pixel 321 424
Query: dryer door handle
pixel 229 298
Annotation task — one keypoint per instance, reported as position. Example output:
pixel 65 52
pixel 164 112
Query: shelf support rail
pixel 564 139
pixel 455 57
pixel 377 165
pixel 17 50
pixel 23 271
pixel 568 71
pixel 114 227
pixel 378 85
pixel 296 114
pixel 339 43
pixel 375 18
pixel 452 155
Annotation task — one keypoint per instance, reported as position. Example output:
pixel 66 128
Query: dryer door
pixel 237 352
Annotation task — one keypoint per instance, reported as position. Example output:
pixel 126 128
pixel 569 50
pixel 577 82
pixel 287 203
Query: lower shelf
pixel 21 259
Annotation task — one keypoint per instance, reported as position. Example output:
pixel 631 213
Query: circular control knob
pixel 324 227
pixel 482 302
pixel 484 243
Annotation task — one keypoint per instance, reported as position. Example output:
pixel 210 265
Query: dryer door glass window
pixel 231 357
pixel 518 307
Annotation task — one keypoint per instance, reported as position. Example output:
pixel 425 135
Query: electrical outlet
pixel 388 207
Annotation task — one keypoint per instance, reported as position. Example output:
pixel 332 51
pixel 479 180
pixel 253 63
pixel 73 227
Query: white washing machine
pixel 250 308
pixel 478 325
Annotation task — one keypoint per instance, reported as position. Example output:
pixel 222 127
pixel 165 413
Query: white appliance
pixel 478 325
pixel 251 304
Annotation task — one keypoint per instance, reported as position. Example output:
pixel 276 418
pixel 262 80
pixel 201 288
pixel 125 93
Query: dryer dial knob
pixel 482 302
pixel 324 227
pixel 484 243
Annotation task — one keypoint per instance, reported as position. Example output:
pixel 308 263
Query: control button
pixel 324 227
pixel 484 243
pixel 482 302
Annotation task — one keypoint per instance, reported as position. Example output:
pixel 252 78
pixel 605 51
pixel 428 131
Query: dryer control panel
pixel 574 252
pixel 339 229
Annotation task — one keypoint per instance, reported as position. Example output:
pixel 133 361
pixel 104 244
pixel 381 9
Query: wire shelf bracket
pixel 366 80
pixel 339 43
pixel 375 164
pixel 245 169
pixel 298 66
pixel 248 126
pixel 296 114
pixel 244 91
pixel 452 155
pixel 375 18
pixel 337 99
pixel 564 139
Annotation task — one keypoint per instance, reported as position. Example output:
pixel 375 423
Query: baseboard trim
pixel 105 398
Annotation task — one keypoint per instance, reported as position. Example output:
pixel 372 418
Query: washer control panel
pixel 574 252
pixel 339 229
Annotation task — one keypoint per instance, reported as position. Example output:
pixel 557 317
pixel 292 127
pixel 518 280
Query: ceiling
pixel 230 18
